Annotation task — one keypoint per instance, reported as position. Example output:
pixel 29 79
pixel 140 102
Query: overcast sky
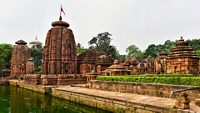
pixel 138 22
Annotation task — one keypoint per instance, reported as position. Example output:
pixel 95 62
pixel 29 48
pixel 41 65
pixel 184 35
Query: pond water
pixel 18 100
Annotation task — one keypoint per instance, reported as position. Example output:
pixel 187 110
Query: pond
pixel 18 100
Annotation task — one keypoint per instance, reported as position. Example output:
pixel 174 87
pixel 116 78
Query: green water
pixel 18 100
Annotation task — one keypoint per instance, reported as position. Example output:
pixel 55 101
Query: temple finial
pixel 181 37
pixel 60 18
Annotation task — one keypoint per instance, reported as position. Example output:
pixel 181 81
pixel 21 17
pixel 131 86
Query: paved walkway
pixel 136 98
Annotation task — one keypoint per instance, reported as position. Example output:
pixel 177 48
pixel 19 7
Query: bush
pixel 162 75
pixel 195 81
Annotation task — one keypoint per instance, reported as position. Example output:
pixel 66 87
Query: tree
pixel 134 51
pixel 151 50
pixel 195 43
pixel 197 52
pixel 36 53
pixel 80 49
pixel 154 50
pixel 102 42
pixel 5 55
pixel 168 45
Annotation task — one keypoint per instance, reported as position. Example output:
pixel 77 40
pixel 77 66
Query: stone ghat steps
pixel 128 102
pixel 112 101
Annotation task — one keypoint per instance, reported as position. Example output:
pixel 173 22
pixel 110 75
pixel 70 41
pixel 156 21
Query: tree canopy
pixel 80 49
pixel 134 51
pixel 36 53
pixel 5 55
pixel 195 43
pixel 153 50
pixel 103 42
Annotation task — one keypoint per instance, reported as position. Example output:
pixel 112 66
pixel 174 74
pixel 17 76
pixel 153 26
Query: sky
pixel 138 22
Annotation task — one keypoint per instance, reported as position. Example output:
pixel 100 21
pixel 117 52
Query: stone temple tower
pixel 59 55
pixel 20 55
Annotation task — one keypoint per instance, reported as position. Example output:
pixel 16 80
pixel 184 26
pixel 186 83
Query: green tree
pixel 154 50
pixel 36 53
pixel 80 49
pixel 151 50
pixel 195 43
pixel 168 45
pixel 134 51
pixel 197 52
pixel 121 58
pixel 5 55
pixel 103 42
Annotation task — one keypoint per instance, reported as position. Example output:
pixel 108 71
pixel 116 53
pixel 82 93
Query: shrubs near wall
pixel 178 80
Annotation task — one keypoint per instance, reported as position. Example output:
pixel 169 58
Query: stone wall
pixel 56 79
pixel 71 79
pixel 158 90
pixel 32 79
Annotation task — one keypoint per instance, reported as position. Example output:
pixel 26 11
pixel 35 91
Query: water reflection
pixel 18 100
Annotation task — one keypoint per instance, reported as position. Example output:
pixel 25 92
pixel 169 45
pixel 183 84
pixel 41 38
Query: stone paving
pixel 135 98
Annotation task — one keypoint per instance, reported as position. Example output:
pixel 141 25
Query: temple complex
pixel 20 55
pixel 59 56
pixel 182 59
pixel 93 59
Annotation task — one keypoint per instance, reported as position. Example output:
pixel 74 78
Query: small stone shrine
pixel 20 55
pixel 182 59
pixel 131 64
pixel 161 63
pixel 150 67
pixel 30 66
pixel 116 69
pixel 59 56
pixel 93 60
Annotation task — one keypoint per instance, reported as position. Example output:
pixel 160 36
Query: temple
pixel 93 59
pixel 59 56
pixel 20 55
pixel 182 59
pixel 35 42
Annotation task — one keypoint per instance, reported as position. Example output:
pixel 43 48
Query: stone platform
pixel 113 101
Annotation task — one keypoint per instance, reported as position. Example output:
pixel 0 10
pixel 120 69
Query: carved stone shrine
pixel 182 59
pixel 59 56
pixel 20 55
